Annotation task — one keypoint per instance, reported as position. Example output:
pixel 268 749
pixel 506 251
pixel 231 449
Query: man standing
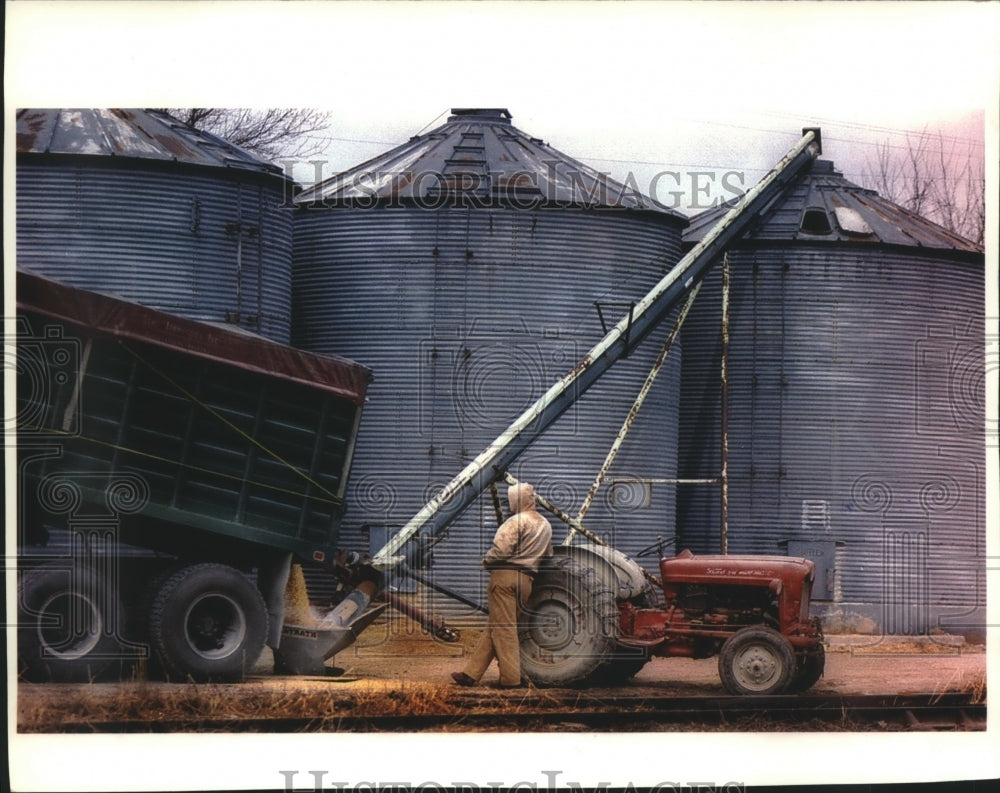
pixel 520 544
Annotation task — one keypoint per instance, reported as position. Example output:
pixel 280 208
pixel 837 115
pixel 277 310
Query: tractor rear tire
pixel 567 632
pixel 207 622
pixel 68 618
pixel 623 664
pixel 756 660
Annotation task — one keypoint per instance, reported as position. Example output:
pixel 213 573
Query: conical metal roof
pixel 128 133
pixel 478 156
pixel 823 206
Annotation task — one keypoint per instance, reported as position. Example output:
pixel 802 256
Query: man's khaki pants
pixel 508 591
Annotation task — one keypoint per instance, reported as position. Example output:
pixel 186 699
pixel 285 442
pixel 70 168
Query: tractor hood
pixel 688 568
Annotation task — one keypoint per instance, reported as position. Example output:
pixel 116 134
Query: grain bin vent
pixel 815 221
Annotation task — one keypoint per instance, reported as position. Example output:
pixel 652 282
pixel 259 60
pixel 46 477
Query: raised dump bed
pixel 206 445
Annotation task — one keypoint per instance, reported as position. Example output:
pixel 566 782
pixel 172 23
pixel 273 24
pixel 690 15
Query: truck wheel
pixel 756 660
pixel 207 622
pixel 809 670
pixel 568 629
pixel 67 625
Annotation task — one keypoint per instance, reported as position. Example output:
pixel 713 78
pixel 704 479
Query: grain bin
pixel 135 204
pixel 855 416
pixel 470 268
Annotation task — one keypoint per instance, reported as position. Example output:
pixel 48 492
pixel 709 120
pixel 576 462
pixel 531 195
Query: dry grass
pixel 972 683
pixel 371 703
pixel 888 646
pixel 207 707
pixel 194 705
pixel 975 687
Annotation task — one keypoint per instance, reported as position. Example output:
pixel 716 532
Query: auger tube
pixel 455 497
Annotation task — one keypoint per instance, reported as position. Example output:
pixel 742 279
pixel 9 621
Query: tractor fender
pixel 620 573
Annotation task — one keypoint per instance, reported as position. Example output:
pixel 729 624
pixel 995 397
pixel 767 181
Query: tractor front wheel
pixel 756 660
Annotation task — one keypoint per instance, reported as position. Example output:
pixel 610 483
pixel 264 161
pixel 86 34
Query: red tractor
pixel 593 618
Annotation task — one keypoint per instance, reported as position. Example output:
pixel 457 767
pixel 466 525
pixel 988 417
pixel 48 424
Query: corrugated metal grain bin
pixel 856 406
pixel 467 267
pixel 133 203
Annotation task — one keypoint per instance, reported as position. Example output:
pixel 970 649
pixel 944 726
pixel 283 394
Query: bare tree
pixel 271 132
pixel 959 196
pixel 939 177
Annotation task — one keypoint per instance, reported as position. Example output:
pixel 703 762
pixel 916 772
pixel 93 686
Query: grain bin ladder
pixel 491 464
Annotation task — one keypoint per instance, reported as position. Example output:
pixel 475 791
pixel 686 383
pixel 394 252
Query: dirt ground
pixel 854 665
pixel 390 674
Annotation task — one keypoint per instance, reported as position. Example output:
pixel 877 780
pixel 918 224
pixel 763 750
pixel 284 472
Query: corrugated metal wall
pixel 466 317
pixel 856 420
pixel 206 243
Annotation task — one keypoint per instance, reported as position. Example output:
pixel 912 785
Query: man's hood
pixel 521 497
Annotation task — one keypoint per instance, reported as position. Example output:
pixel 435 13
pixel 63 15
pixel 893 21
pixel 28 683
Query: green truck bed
pixel 186 430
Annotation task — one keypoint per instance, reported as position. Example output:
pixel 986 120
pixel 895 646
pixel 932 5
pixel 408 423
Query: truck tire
pixel 567 632
pixel 68 621
pixel 756 660
pixel 149 666
pixel 808 671
pixel 207 622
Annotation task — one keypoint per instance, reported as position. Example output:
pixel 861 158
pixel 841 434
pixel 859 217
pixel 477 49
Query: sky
pixel 625 87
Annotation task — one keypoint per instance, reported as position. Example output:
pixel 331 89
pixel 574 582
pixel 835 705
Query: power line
pixel 876 128
pixel 433 121
pixel 361 140
pixel 727 168
pixel 972 142
pixel 734 168
pixel 909 146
